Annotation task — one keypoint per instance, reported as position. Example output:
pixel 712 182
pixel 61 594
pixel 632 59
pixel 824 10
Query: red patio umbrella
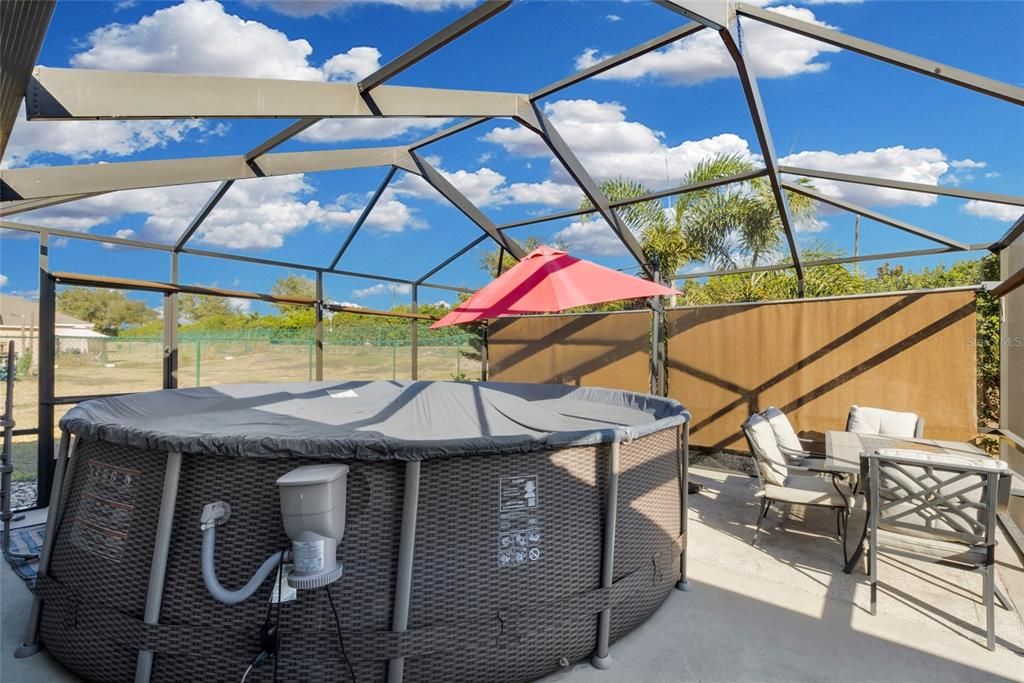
pixel 549 280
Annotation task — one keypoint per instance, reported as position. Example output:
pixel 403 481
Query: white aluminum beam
pixel 719 16
pixel 691 275
pixel 961 192
pixel 53 181
pixel 875 216
pixel 207 209
pixel 468 208
pixel 23 25
pixel 424 49
pixel 11 208
pixel 447 132
pixel 561 151
pixel 363 216
pixel 1011 236
pixel 928 67
pixel 617 59
pixel 72 94
pixel 86 236
pixel 451 259
pixel 285 135
pixel 658 194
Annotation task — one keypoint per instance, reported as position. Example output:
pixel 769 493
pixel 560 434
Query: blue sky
pixel 651 120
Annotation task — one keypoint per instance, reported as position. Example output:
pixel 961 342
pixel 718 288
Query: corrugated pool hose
pixel 215 514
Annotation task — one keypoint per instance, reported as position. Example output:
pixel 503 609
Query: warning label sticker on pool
pixel 103 518
pixel 519 521
pixel 518 493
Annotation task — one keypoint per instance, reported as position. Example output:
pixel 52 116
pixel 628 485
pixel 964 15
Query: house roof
pixel 16 311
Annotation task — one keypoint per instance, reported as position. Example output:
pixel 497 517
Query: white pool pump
pixel 313 511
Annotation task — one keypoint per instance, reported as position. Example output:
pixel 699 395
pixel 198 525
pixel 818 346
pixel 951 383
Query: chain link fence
pixel 114 365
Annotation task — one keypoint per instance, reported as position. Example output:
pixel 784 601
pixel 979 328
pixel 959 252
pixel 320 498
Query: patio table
pixel 845 451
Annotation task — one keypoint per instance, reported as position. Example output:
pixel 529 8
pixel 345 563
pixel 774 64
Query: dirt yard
pixel 124 366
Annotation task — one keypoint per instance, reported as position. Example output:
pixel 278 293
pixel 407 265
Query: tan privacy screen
pixel 598 350
pixel 1012 367
pixel 813 359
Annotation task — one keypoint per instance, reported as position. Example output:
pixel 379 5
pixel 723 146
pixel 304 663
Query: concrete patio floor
pixel 781 611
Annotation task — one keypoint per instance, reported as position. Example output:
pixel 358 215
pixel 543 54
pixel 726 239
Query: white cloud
pixel 992 174
pixel 382 288
pixel 773 53
pixel 613 17
pixel 352 66
pixel 967 163
pixel 198 37
pixel 3 280
pixel 548 193
pixel 609 145
pixel 123 233
pixel 442 303
pixel 312 8
pixel 389 214
pixel 85 140
pixel 348 304
pixel 484 186
pixel 1001 212
pixel 591 237
pixel 921 165
pixel 254 214
pixel 240 305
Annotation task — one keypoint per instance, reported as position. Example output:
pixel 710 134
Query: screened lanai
pixel 442 111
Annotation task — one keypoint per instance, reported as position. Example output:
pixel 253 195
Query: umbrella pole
pixel 484 370
pixel 657 330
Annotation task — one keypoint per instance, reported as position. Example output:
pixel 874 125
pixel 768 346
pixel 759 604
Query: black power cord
pixel 269 633
pixel 341 640
pixel 277 618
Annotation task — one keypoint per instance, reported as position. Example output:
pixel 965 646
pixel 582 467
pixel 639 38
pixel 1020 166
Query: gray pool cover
pixel 372 420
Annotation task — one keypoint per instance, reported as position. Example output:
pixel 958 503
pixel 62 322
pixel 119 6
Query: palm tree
pixel 730 226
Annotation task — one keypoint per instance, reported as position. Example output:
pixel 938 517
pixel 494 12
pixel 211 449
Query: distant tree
pixel 293 285
pixel 110 310
pixel 196 308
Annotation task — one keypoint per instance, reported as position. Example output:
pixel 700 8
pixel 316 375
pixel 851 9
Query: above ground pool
pixel 488 531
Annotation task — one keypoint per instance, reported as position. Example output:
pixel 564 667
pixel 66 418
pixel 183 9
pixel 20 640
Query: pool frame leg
pixel 158 567
pixel 30 645
pixel 403 577
pixel 602 659
pixel 684 500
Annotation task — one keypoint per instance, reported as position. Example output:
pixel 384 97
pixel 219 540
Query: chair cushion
pixel 931 548
pixel 883 422
pixel 809 491
pixel 784 432
pixel 951 460
pixel 770 460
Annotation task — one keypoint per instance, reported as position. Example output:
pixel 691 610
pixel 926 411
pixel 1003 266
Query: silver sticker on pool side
pixel 105 507
pixel 518 493
pixel 519 521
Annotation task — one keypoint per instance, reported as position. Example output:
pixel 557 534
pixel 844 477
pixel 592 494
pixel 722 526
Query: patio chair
pixel 792 446
pixel 785 482
pixel 937 507
pixel 884 422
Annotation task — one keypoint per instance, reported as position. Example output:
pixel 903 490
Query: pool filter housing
pixel 313 513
